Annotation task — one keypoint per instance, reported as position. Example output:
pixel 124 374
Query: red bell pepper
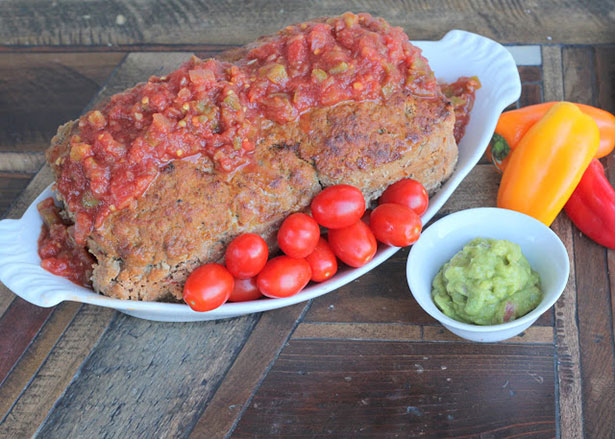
pixel 591 206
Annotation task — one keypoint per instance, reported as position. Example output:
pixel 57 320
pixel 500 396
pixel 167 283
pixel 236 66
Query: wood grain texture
pixel 569 402
pixel 21 162
pixel 596 338
pixel 553 88
pixel 605 78
pixel 592 281
pixel 359 331
pixel 404 332
pixel 533 335
pixel 39 92
pixel 58 370
pixel 11 185
pixel 148 379
pixel 249 368
pixel 36 354
pixel 6 298
pixel 568 360
pixel 530 75
pixel 18 326
pixel 100 23
pixel 353 389
pixel 530 94
pixel 605 92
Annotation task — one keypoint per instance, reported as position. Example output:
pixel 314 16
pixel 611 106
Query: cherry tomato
pixel 244 290
pixel 298 235
pixel 208 287
pixel 322 261
pixel 246 255
pixel 338 206
pixel 355 245
pixel 409 193
pixel 283 276
pixel 396 225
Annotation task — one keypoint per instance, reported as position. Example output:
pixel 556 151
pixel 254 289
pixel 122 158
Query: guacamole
pixel 486 283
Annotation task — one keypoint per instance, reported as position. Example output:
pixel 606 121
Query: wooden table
pixel 364 361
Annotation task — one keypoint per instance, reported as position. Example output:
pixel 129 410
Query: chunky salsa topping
pixel 218 108
pixel 461 94
pixel 58 252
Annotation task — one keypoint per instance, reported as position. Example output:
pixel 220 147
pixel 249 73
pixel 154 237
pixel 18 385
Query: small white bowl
pixel 444 238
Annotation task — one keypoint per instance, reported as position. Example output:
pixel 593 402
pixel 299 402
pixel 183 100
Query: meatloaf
pixel 160 178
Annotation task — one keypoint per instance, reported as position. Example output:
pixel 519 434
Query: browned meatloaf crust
pixel 191 211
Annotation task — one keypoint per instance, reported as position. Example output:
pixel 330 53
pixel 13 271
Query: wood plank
pixel 205 49
pixel 18 326
pixel 59 368
pixel 605 92
pixel 568 352
pixel 596 337
pixel 553 88
pixel 533 335
pixel 593 295
pixel 530 94
pixel 605 78
pixel 36 185
pixel 249 369
pixel 362 389
pixel 21 162
pixel 359 331
pixel 405 332
pixel 6 298
pixel 11 185
pixel 148 379
pixel 570 402
pixel 36 354
pixel 578 74
pixel 100 23
pixel 530 74
pixel 39 92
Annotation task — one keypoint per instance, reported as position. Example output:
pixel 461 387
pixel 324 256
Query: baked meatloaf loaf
pixel 160 178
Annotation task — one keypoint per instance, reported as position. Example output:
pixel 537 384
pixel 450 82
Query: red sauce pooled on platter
pixel 57 249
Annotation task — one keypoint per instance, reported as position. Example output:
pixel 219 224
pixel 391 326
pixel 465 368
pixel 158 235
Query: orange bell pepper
pixel 513 124
pixel 548 162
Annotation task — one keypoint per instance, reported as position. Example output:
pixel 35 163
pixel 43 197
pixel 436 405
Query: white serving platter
pixel 459 53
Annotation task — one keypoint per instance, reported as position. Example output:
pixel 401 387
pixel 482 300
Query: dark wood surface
pixel 364 361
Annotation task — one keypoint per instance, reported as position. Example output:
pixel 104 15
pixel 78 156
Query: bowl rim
pixel 531 316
